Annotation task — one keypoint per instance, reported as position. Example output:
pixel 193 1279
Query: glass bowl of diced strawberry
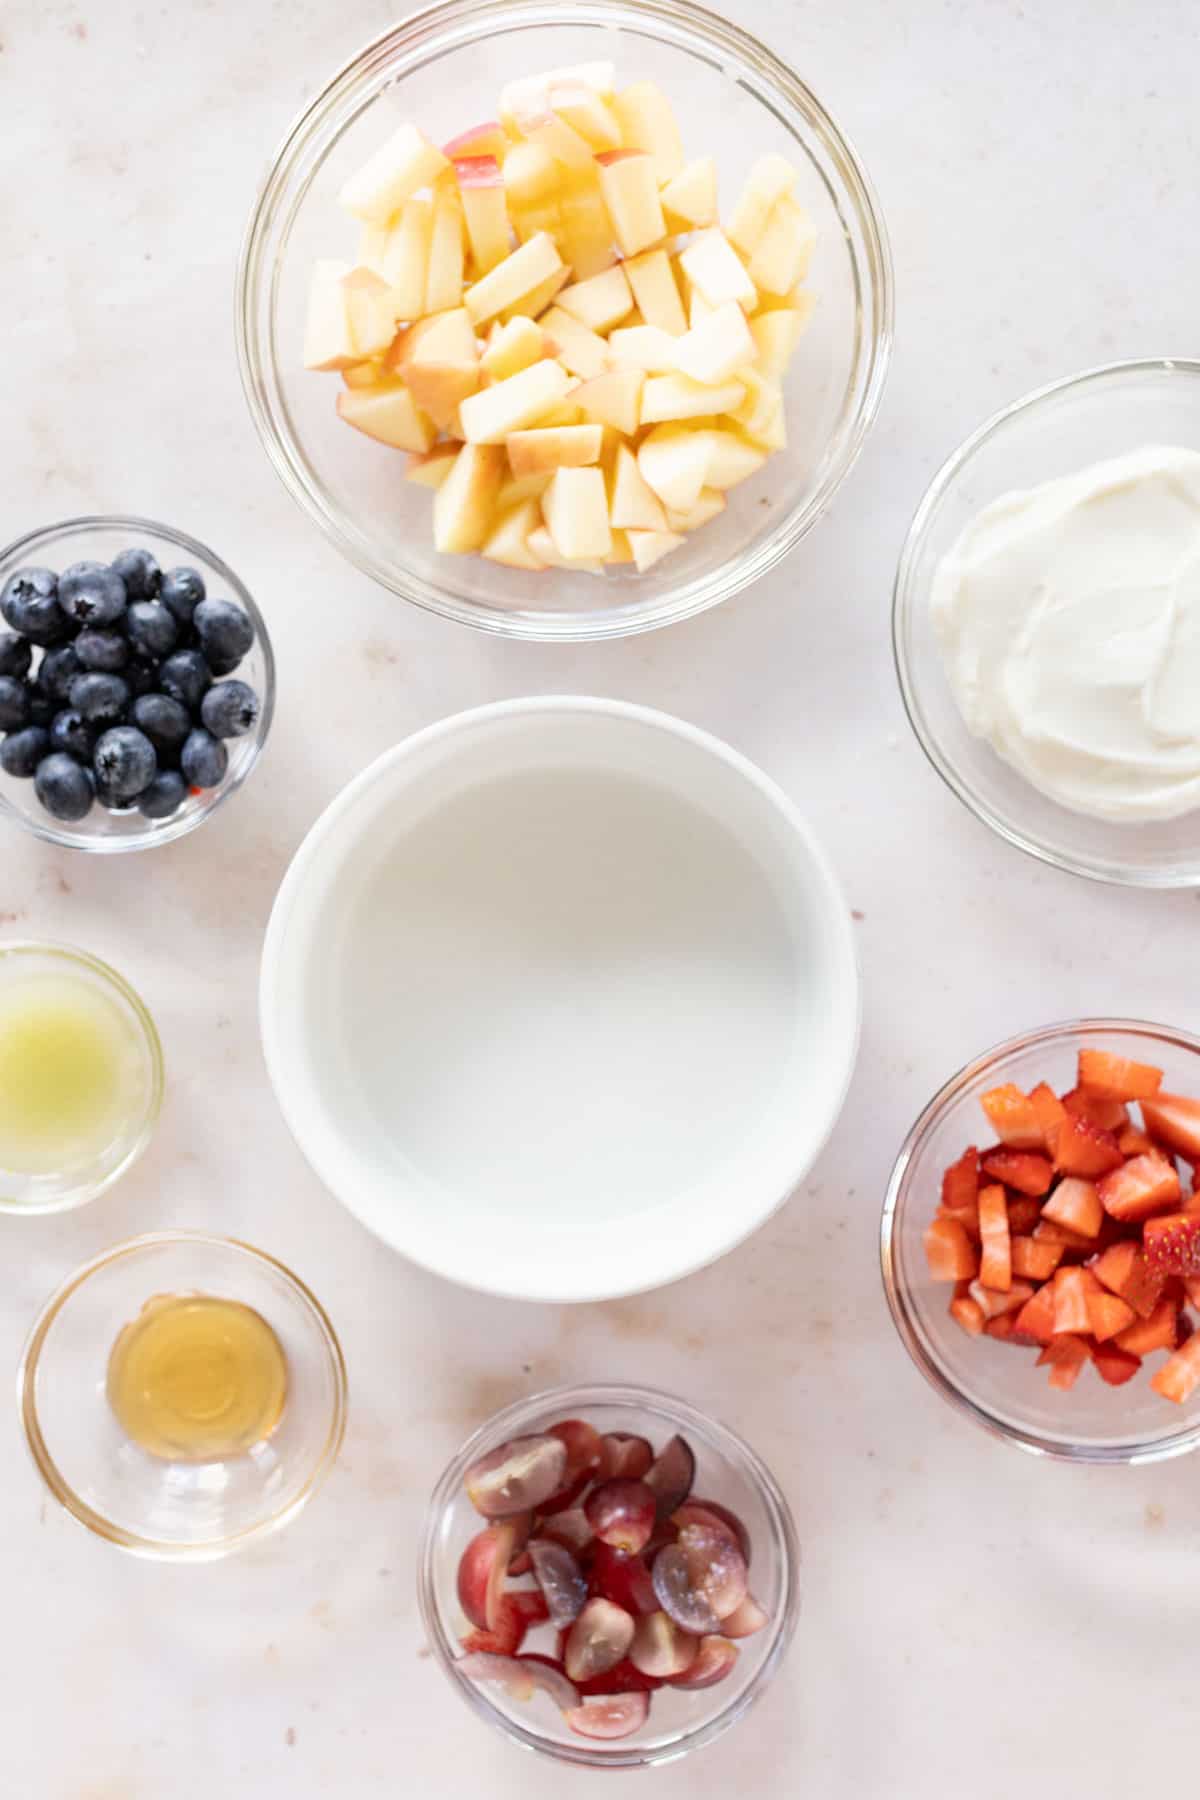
pixel 608 1576
pixel 1041 1241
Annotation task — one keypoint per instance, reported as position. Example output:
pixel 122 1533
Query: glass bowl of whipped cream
pixel 1046 623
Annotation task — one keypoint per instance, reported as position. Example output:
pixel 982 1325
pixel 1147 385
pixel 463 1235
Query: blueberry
pixel 165 795
pixel 186 677
pixel 41 708
pixel 91 593
pixel 140 674
pixel 165 722
pixel 225 634
pixel 29 603
pixel 182 590
pixel 16 654
pixel 124 762
pixel 203 760
pixel 230 709
pixel 22 751
pixel 140 573
pixel 59 668
pixel 64 789
pixel 151 628
pixel 100 698
pixel 106 651
pixel 14 703
pixel 71 733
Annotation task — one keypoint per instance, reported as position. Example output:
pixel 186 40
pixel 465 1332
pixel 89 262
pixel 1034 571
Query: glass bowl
pixel 118 1010
pixel 1058 429
pixel 996 1384
pixel 735 99
pixel 177 1511
pixel 727 1471
pixel 99 538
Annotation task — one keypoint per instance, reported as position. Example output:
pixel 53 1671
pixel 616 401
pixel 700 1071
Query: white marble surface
pixel 974 1621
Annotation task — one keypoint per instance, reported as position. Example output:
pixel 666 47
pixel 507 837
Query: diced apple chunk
pixel 614 399
pixel 388 414
pixel 431 469
pixel 444 277
pixel 558 447
pixel 718 345
pixel 398 169
pixel 371 373
pixel 371 308
pixel 406 256
pixel 581 352
pixel 531 181
pixel 710 503
pixel 643 347
pixel 690 198
pixel 770 178
pixel 440 362
pixel 631 197
pixel 518 275
pixel 585 234
pixel 542 545
pixel 633 504
pixel 712 265
pixel 666 397
pixel 587 113
pixel 776 334
pixel 328 337
pixel 650 547
pixel 540 125
pixel 488 139
pixel 782 253
pixel 622 549
pixel 533 304
pixel 462 506
pixel 652 280
pixel 521 487
pixel 731 459
pixel 575 509
pixel 531 91
pixel 491 415
pixel 674 462
pixel 481 188
pixel 601 301
pixel 508 541
pixel 512 347
pixel 648 123
pixel 762 401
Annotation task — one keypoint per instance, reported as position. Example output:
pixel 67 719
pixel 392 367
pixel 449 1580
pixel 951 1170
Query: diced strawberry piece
pixel 1049 1231
pixel 1014 1117
pixel 1034 1257
pixel 1076 1204
pixel 967 1313
pixel 1050 1111
pixel 1123 1270
pixel 1191 1287
pixel 1071 1289
pixel 1066 1355
pixel 1116 1077
pixel 1023 1214
pixel 1174 1120
pixel 1035 1320
pixel 1179 1376
pixel 1143 1186
pixel 1172 1244
pixel 1159 1332
pixel 995 1264
pixel 1004 1328
pixel 1132 1142
pixel 1108 1115
pixel 1024 1170
pixel 949 1251
pixel 1115 1366
pixel 991 1302
pixel 1108 1314
pixel 1082 1148
pixel 960 1183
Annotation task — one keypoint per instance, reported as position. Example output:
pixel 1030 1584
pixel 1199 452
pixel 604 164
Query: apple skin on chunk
pixel 488 139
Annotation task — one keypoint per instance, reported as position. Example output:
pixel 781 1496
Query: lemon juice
pixel 71 1071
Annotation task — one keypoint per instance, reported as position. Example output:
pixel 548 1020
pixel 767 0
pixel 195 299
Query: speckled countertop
pixel 974 1622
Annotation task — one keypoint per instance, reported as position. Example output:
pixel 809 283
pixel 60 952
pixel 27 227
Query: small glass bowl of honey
pixel 183 1395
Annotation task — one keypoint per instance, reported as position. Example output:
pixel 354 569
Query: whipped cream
pixel 1069 621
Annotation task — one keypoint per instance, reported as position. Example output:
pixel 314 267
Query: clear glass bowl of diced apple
pixel 565 323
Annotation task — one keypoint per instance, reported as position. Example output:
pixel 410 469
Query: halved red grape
pixel 616 1717
pixel 622 1514
pixel 679 1596
pixel 511 1535
pixel 714 1660
pixel 623 1678
pixel 583 1445
pixel 474 1572
pixel 661 1648
pixel 560 1578
pixel 623 1579
pixel 670 1476
pixel 695 1508
pixel 516 1476
pixel 511 1625
pixel 522 1676
pixel 598 1639
pixel 623 1457
pixel 745 1619
pixel 715 1563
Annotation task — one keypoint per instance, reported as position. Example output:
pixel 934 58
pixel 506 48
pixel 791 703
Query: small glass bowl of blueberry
pixel 137 683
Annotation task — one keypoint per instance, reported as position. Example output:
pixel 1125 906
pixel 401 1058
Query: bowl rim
pixel 905 599
pixel 170 830
pixel 453 21
pixel 157 1549
pixel 571 1399
pixel 88 1191
pixel 278 1053
pixel 1149 1450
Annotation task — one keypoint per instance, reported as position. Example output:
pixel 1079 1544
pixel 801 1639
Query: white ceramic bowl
pixel 559 997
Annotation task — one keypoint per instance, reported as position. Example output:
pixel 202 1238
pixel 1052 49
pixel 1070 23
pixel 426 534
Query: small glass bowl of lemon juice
pixel 81 1077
